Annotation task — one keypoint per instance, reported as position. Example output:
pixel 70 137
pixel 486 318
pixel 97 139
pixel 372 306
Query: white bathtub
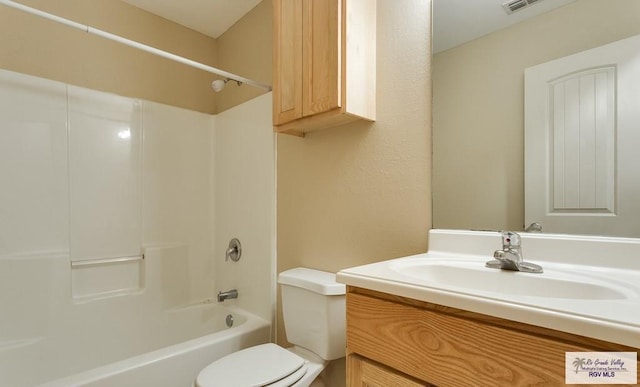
pixel 177 365
pixel 147 337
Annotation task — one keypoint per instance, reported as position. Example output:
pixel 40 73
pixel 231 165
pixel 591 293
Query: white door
pixel 582 142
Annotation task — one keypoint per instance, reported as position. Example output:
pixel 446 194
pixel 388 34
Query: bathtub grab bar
pixel 106 261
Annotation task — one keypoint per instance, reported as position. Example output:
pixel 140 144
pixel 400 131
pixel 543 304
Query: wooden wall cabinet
pixel 324 66
pixel 396 341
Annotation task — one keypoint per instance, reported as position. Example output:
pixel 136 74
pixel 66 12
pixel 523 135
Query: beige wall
pixel 360 193
pixel 245 49
pixel 478 110
pixel 35 46
pixel 346 196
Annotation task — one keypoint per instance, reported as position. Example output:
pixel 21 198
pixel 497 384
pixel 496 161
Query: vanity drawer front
pixel 366 373
pixel 448 350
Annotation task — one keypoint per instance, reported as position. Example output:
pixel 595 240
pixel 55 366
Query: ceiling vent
pixel 518 5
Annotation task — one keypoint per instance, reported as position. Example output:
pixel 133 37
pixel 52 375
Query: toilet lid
pixel 288 381
pixel 254 366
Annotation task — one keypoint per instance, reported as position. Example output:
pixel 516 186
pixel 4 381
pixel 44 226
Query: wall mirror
pixel 479 101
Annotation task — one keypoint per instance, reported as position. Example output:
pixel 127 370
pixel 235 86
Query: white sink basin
pixel 473 276
pixel 590 285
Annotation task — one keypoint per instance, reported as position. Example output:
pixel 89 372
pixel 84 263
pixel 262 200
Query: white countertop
pixel 611 318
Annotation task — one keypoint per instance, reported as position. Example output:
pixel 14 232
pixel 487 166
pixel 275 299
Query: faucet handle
pixel 534 227
pixel 510 240
pixel 234 251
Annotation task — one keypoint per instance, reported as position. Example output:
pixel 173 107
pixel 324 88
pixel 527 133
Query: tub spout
pixel 229 294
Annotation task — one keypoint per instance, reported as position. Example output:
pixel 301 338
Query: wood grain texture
pixel 318 121
pixel 287 61
pixel 597 345
pixel 366 373
pixel 448 347
pixel 321 56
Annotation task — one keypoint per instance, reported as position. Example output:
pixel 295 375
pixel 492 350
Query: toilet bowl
pixel 313 306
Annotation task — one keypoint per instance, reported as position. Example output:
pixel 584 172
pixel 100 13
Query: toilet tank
pixel 314 311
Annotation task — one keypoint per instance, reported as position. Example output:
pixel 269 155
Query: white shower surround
pixel 203 179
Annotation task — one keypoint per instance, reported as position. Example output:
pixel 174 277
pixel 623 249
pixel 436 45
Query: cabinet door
pixel 364 373
pixel 287 61
pixel 322 31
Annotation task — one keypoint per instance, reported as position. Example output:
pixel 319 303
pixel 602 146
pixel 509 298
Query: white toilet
pixel 313 307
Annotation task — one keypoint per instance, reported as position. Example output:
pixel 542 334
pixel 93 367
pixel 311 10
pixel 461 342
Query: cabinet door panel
pixel 287 61
pixel 321 56
pixel 365 373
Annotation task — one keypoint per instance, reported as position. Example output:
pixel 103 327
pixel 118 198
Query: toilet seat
pixel 290 380
pixel 261 365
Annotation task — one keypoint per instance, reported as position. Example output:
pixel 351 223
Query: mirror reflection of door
pixel 582 136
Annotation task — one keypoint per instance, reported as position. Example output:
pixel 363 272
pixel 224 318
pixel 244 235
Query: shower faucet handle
pixel 234 250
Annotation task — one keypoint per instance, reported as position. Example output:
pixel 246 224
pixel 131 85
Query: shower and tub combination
pixel 115 217
pixel 115 214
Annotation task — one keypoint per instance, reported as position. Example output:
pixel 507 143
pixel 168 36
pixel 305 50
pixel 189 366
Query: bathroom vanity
pixel 443 318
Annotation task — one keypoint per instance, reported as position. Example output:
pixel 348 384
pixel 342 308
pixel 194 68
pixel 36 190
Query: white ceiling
pixel 455 21
pixel 459 21
pixel 210 17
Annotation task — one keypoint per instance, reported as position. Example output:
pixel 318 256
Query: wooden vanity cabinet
pixel 396 341
pixel 324 66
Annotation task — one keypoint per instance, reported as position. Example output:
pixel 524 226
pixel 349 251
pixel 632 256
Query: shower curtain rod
pixel 134 44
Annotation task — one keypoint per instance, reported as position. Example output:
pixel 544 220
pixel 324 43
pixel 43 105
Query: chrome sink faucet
pixel 510 257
